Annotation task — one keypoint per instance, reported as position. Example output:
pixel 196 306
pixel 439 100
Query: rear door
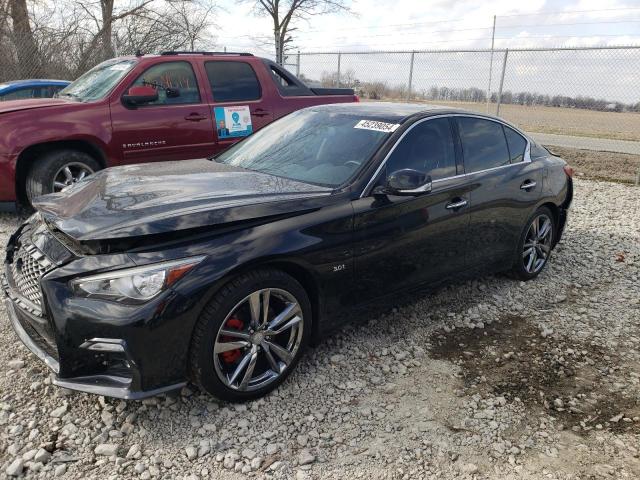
pixel 240 106
pixel 177 126
pixel 507 186
pixel 403 241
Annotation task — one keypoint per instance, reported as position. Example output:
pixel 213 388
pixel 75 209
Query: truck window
pixel 175 82
pixel 232 81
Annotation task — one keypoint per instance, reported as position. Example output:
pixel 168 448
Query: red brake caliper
pixel 232 356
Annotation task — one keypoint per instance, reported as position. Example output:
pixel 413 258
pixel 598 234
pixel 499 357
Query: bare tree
pixel 102 34
pixel 284 13
pixel 27 51
pixel 64 38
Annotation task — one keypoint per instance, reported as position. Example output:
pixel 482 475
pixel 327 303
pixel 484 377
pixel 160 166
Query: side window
pixel 22 94
pixel 427 147
pixel 175 82
pixel 281 78
pixel 232 81
pixel 483 144
pixel 517 144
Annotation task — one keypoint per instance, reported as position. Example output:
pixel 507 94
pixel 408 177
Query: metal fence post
pixel 298 64
pixel 339 59
pixel 413 55
pixel 493 38
pixel 504 67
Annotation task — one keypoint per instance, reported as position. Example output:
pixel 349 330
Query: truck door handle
pixel 456 204
pixel 195 117
pixel 528 185
pixel 259 112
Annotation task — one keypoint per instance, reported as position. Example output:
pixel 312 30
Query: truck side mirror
pixel 140 95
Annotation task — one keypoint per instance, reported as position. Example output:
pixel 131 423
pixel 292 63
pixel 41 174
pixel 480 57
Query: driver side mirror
pixel 140 95
pixel 407 182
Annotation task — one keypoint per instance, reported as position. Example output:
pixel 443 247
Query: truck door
pixel 177 126
pixel 240 106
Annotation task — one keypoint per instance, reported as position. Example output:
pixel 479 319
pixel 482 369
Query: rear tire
pixel 53 171
pixel 236 352
pixel 535 245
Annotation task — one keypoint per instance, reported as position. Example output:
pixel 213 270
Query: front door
pixel 239 105
pixel 177 126
pixel 403 241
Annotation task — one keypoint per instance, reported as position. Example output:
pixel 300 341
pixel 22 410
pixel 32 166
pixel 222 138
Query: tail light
pixel 356 98
pixel 569 171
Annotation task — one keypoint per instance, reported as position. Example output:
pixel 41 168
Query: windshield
pixel 312 146
pixel 99 81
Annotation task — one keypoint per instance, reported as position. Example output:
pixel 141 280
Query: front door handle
pixel 259 112
pixel 456 204
pixel 195 117
pixel 528 185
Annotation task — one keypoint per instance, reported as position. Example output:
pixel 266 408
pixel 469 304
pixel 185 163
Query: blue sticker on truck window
pixel 233 121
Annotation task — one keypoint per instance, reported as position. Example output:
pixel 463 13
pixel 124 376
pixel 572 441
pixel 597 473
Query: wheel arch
pixel 555 211
pixel 301 273
pixel 26 157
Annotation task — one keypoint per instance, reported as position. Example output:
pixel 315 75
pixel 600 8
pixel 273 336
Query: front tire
pixel 56 170
pixel 251 335
pixel 535 245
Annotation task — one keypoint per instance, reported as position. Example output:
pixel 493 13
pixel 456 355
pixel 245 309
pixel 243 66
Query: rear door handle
pixel 259 112
pixel 195 117
pixel 528 185
pixel 456 204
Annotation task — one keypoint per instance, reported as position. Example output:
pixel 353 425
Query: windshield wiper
pixel 72 95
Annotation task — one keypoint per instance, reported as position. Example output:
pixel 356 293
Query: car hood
pixel 30 104
pixel 163 197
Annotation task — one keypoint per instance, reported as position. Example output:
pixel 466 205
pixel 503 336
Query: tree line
pixel 65 38
pixel 382 90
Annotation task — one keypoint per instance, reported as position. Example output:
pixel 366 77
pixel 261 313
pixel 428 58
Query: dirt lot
pixel 564 121
pixel 490 379
pixel 616 167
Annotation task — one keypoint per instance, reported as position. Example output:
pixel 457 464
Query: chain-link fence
pixel 570 92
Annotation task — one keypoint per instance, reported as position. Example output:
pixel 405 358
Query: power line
pixel 389 35
pixel 438 22
pixel 568 12
pixel 378 45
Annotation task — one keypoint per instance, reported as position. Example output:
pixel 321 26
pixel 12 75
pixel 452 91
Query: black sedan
pixel 221 271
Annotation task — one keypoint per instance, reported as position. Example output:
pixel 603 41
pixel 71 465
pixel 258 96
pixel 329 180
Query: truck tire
pixel 53 171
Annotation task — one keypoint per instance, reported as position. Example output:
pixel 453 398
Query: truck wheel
pixel 56 170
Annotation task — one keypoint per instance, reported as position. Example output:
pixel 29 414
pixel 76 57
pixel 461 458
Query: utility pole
pixel 493 38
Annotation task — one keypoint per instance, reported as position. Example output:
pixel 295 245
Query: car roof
pixel 392 112
pixel 31 83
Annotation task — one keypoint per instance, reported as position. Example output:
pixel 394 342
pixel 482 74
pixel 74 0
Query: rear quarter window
pixel 517 144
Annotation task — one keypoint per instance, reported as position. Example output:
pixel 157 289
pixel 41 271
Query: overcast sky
pixel 459 24
pixel 436 24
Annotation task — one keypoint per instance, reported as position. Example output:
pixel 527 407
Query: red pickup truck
pixel 145 108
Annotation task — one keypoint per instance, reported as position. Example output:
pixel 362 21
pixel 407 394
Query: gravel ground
pixel 489 379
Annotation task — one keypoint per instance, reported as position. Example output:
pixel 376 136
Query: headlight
pixel 134 285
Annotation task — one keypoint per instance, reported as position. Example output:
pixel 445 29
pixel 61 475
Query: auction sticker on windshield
pixel 233 121
pixel 377 126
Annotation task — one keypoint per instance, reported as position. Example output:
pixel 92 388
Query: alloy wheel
pixel 69 174
pixel 537 244
pixel 258 339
